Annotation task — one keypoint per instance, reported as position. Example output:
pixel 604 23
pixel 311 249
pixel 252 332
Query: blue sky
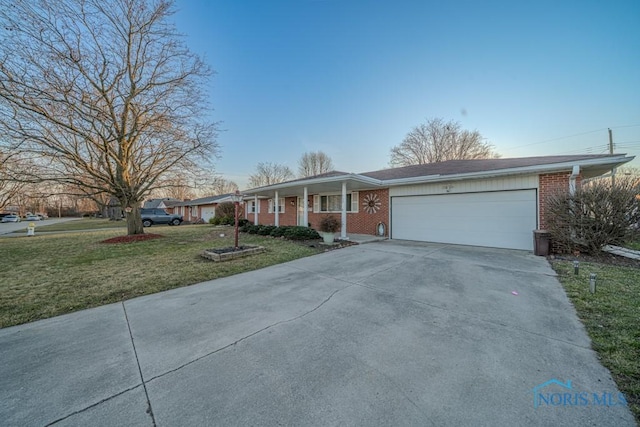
pixel 352 77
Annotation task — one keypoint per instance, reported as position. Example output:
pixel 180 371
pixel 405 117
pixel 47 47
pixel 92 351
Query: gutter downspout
pixel 572 180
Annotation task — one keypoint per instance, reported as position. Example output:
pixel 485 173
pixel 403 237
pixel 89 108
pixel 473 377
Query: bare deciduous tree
pixel 219 185
pixel 104 93
pixel 314 163
pixel 438 141
pixel 269 173
pixel 10 185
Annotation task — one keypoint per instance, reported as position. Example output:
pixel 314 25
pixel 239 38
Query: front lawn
pixel 611 317
pixel 48 275
pixel 77 224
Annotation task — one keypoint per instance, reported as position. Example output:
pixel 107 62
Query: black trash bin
pixel 541 242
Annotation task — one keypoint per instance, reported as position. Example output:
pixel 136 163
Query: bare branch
pixel 314 163
pixel 437 141
pixel 104 93
pixel 270 173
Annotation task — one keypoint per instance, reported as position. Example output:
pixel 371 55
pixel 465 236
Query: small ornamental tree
pixel 598 214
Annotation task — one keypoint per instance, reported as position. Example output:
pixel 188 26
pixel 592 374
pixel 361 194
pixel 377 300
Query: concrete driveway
pixel 388 333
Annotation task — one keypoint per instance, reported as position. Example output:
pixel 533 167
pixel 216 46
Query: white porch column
pixel 255 209
pixel 305 214
pixel 276 209
pixel 343 228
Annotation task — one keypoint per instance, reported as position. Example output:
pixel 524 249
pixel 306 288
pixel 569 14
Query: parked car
pixel 32 217
pixel 43 216
pixel 11 218
pixel 159 216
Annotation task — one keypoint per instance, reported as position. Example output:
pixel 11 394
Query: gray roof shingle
pixel 454 167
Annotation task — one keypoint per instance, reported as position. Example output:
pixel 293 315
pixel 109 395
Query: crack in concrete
pixel 280 322
pixel 142 383
pixel 135 352
pixel 79 411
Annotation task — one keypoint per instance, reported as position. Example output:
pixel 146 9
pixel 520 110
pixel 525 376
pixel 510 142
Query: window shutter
pixel 270 205
pixel 316 203
pixel 281 205
pixel 354 202
pixel 258 207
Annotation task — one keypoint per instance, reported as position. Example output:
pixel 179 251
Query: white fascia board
pixel 552 167
pixel 323 180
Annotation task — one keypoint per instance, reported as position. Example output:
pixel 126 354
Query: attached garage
pixel 502 219
pixel 208 212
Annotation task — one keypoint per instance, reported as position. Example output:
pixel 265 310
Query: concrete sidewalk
pixel 388 333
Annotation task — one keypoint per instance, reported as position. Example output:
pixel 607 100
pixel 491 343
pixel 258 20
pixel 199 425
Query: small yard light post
pixel 592 283
pixel 236 198
pixel 576 267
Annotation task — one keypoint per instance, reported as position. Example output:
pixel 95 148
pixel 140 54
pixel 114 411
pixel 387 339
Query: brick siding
pixel 550 184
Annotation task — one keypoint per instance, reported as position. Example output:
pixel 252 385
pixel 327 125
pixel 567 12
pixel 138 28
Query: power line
pixel 570 136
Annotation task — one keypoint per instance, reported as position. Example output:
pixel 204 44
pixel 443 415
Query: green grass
pixel 612 319
pixel 77 224
pixel 48 275
pixel 633 245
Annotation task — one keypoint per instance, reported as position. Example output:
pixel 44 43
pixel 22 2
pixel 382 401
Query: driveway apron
pixel 387 333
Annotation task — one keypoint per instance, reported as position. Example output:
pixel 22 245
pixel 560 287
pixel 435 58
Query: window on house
pixel 253 207
pixel 280 205
pixel 333 202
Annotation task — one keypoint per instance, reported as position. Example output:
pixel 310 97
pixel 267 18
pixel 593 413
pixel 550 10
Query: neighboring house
pixel 492 202
pixel 164 203
pixel 205 207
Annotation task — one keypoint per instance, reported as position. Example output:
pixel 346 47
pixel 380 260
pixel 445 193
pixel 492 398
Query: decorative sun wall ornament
pixel 371 203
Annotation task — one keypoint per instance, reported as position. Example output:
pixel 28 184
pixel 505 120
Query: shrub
pixel 253 229
pixel 301 233
pixel 222 220
pixel 226 209
pixel 329 224
pixel 244 225
pixel 279 231
pixel 266 230
pixel 598 214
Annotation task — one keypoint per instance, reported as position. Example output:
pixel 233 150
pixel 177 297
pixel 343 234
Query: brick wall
pixel 289 217
pixel 549 184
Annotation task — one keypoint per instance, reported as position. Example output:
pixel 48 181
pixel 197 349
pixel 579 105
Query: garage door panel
pixel 498 219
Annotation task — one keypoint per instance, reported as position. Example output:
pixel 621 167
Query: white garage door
pixel 208 213
pixel 500 219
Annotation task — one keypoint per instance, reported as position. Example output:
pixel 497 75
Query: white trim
pixel 271 210
pixel 305 206
pixel 343 213
pixel 329 179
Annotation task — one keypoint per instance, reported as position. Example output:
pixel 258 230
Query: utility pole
pixel 613 171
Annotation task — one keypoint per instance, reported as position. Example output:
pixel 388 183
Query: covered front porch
pixel 334 193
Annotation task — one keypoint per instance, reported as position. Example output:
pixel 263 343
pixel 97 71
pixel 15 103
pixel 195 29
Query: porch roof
pixel 324 183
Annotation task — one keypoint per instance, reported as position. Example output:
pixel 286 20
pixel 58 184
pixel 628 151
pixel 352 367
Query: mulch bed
pixel 132 239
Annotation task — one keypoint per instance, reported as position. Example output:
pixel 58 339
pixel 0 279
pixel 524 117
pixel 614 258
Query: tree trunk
pixel 134 221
